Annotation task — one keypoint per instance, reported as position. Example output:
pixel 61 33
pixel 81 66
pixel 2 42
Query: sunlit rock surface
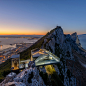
pixel 9 78
pixel 14 84
pixel 28 77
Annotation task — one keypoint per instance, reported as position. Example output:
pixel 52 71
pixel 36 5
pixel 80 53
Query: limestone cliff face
pixel 69 49
pixel 61 45
pixel 58 43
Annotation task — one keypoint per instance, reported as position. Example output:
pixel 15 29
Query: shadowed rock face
pixel 58 43
pixel 75 38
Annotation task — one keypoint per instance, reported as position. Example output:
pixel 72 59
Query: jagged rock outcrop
pixel 75 38
pixel 61 45
pixel 69 49
pixel 9 78
pixel 28 77
pixel 58 44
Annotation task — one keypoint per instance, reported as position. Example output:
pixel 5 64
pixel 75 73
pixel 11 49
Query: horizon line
pixel 15 34
pixel 35 34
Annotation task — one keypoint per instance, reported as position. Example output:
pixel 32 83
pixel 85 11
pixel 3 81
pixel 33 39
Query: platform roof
pixel 45 58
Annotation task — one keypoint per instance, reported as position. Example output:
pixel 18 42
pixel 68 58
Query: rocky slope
pixel 65 47
pixel 75 38
pixel 28 77
pixel 60 45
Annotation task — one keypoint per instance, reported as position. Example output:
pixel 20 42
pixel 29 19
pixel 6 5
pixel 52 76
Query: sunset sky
pixel 29 17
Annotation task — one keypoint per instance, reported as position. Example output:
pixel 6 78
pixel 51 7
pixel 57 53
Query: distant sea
pixel 82 41
pixel 7 41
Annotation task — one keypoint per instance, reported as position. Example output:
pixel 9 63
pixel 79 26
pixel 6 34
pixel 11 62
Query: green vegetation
pixel 5 68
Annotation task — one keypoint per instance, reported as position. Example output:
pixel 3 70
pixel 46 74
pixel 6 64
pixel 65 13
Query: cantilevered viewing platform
pixel 43 57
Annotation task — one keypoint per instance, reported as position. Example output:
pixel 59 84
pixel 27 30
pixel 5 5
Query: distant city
pixel 14 44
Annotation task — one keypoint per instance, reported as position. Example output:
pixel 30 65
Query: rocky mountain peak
pixel 60 45
pixel 59 29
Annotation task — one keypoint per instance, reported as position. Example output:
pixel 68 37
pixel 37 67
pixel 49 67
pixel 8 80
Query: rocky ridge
pixel 63 46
